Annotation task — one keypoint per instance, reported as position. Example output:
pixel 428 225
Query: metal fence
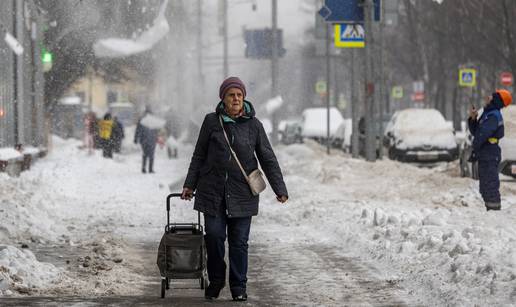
pixel 21 76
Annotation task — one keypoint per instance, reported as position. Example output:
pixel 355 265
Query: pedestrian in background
pixel 222 191
pixel 147 137
pixel 118 135
pixel 106 133
pixel 487 131
pixel 90 127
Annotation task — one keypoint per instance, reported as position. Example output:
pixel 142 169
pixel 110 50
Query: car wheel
pixel 392 155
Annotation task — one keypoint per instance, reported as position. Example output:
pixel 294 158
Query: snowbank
pixel 421 228
pixel 19 270
pixel 9 154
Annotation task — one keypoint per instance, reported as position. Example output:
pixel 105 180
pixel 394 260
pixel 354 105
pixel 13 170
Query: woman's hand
pixel 282 199
pixel 187 194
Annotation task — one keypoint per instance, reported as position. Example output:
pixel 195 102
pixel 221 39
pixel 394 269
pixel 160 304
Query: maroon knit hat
pixel 231 82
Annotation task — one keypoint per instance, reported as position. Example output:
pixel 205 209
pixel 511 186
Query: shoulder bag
pixel 255 178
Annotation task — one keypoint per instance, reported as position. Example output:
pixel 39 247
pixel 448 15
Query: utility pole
pixel 19 84
pixel 381 79
pixel 370 137
pixel 328 87
pixel 354 106
pixel 274 68
pixel 225 34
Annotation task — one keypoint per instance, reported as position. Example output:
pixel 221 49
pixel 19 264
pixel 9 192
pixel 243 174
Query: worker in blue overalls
pixel 487 132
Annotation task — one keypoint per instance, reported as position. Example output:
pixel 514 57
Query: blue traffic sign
pixel 347 11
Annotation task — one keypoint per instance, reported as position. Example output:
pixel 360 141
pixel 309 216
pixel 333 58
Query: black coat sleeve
pixel 269 163
pixel 199 156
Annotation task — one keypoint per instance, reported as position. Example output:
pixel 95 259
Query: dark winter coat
pixel 118 131
pixel 489 125
pixel 146 137
pixel 214 173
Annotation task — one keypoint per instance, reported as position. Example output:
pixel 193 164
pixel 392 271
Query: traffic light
pixel 259 43
pixel 47 59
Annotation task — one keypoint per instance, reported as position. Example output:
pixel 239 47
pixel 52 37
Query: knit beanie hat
pixel 231 82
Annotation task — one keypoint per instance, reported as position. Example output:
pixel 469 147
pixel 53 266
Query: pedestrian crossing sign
pixel 397 92
pixel 468 77
pixel 349 36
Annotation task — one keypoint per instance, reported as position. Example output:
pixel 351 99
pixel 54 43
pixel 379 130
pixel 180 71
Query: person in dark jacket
pixel 147 137
pixel 118 135
pixel 222 193
pixel 487 132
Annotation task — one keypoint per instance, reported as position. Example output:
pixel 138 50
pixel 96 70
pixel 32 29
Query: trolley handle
pixel 172 195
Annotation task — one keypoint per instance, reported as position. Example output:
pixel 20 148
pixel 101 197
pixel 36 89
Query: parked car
pixel 342 137
pixel 507 144
pixel 292 133
pixel 314 123
pixel 420 135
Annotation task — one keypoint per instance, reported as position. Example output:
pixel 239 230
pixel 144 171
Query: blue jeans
pixel 215 238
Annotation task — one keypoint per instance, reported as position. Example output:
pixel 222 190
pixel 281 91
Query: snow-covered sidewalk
pixel 423 230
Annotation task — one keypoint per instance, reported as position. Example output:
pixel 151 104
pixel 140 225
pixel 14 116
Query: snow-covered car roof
pixel 420 119
pixel 315 121
pixel 414 128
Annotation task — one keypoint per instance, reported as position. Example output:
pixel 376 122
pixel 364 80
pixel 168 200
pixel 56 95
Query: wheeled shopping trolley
pixel 182 252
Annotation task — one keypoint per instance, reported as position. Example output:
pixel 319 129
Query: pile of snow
pixel 415 128
pixel 315 121
pixel 9 154
pixel 153 122
pixel 119 47
pixel 439 245
pixel 19 269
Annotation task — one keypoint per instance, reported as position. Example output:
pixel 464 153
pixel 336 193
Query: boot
pixel 144 161
pixel 493 206
pixel 151 165
pixel 240 298
pixel 212 291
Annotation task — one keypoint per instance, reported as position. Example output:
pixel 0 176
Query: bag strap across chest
pixel 231 149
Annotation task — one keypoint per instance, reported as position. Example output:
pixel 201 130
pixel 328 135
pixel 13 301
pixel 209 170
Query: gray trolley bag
pixel 181 252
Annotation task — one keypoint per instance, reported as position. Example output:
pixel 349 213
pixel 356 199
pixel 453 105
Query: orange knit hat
pixel 506 96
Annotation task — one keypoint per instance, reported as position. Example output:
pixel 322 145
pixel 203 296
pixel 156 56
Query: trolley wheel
pixel 204 283
pixel 168 283
pixel 163 287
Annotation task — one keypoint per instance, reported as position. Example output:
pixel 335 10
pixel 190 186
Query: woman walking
pixel 231 141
